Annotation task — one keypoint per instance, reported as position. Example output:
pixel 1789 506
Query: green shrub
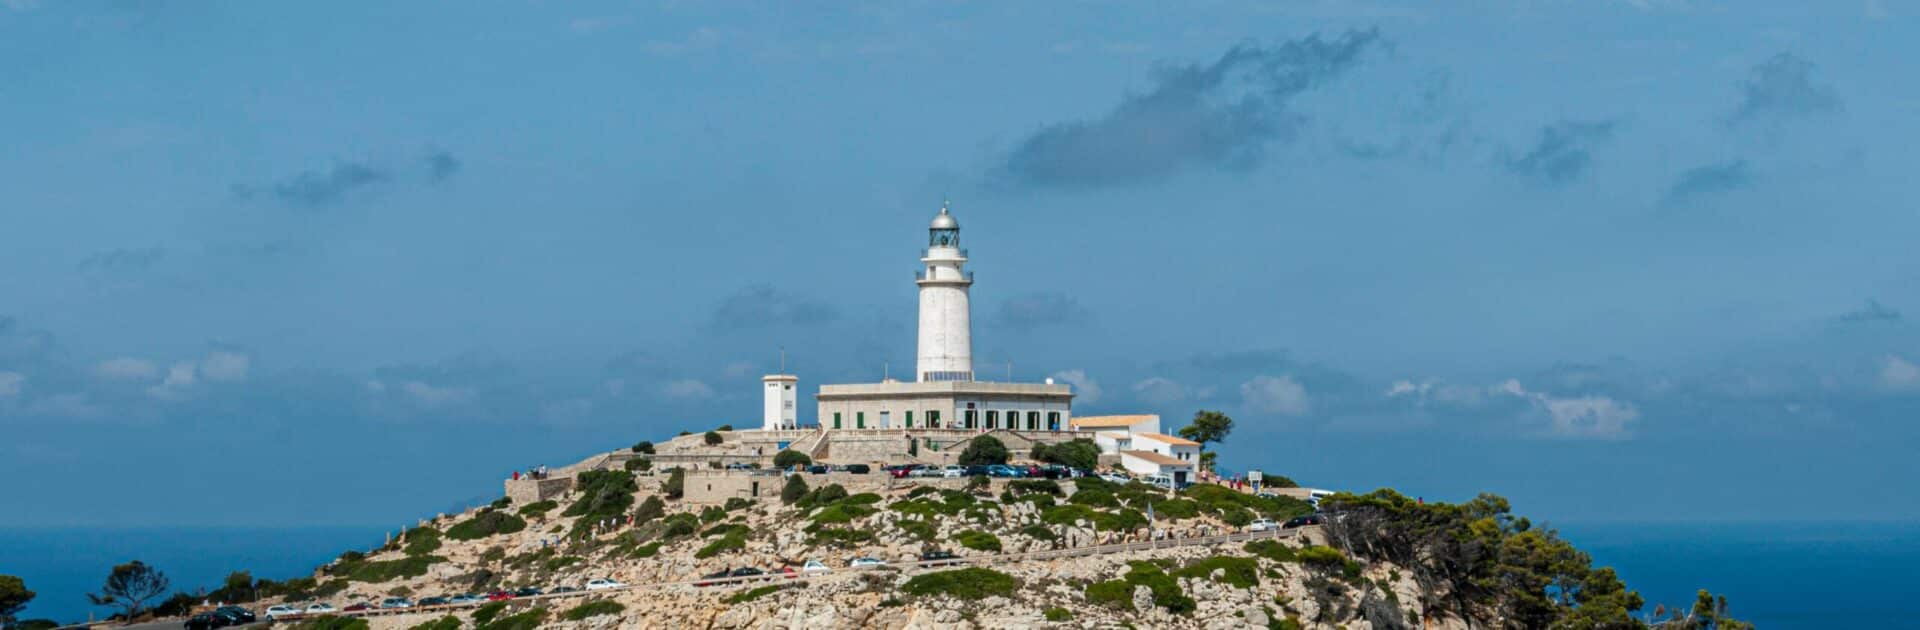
pixel 918 529
pixel 984 450
pixel 1166 590
pixel 713 439
pixel 838 537
pixel 1096 498
pixel 500 503
pixel 978 540
pixel 422 541
pixel 841 513
pixel 1239 572
pixel 1041 501
pixel 646 551
pixel 1039 532
pixel 1116 594
pixel 643 446
pixel 682 524
pixel 638 464
pixel 484 525
pixel 1237 517
pixel 448 622
pixel 1272 550
pixel 561 562
pixel 822 496
pixel 723 544
pixel 593 609
pixel 537 509
pixel 788 458
pixel 1030 486
pixel 1176 509
pixel 676 485
pixel 1083 484
pixel 713 514
pixel 603 494
pixel 726 529
pixel 650 509
pixel 1078 453
pixel 795 489
pixel 978 483
pixel 529 620
pixel 737 503
pixel 1321 557
pixel 386 570
pixel 1120 521
pixel 1058 614
pixel 486 613
pixel 973 583
pixel 753 594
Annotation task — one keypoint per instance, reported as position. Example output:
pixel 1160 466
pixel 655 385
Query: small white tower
pixel 780 395
pixel 946 319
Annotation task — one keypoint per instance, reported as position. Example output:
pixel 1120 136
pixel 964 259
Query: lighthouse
pixel 946 320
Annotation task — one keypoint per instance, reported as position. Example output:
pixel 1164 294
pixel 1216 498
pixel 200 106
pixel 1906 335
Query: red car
pixel 499 596
pixel 358 606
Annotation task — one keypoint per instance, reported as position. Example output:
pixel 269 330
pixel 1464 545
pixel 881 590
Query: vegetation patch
pixel 1176 509
pixel 918 529
pixel 386 570
pixel 1031 486
pixel 838 537
pixel 1094 498
pixel 422 541
pixel 645 551
pixel 484 525
pixel 448 622
pixel 529 620
pixel 1077 453
pixel 723 544
pixel 1273 550
pixel 1039 532
pixel 604 494
pixel 790 458
pixel 537 509
pixel 1058 614
pixel 593 609
pixel 971 584
pixel 486 613
pixel 753 594
pixel 555 564
pixel 1238 572
pixel 331 622
pixel 978 540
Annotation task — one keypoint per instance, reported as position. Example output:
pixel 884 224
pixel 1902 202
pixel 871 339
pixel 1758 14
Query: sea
pixel 1798 575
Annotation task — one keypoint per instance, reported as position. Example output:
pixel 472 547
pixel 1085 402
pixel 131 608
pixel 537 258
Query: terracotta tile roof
pixel 1103 422
pixel 1168 439
pixel 1157 458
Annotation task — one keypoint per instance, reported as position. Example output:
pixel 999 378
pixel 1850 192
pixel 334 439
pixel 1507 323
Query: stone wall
pixel 524 491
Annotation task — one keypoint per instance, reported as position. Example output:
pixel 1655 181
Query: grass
pixel 918 529
pixel 593 609
pixel 971 584
pixel 487 524
pixel 422 541
pixel 1058 614
pixel 978 540
pixel 537 509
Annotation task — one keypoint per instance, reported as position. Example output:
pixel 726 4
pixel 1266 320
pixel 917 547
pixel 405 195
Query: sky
pixel 351 263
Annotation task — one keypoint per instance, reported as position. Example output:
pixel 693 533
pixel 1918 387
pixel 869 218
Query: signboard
pixel 1253 476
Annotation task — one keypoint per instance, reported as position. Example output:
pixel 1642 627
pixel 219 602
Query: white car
pixel 1262 525
pixel 815 566
pixel 866 561
pixel 1114 478
pixel 396 602
pixel 601 584
pixel 322 608
pixel 953 471
pixel 282 610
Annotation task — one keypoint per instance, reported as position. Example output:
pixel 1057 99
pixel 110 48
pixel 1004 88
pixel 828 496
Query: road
pixel 985 560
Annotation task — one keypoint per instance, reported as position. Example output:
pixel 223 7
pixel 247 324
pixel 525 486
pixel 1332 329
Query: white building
pixel 779 411
pixel 943 393
pixel 1142 448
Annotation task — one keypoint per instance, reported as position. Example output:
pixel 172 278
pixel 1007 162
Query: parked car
pixel 237 614
pixel 498 596
pixel 601 584
pixel 818 469
pixel 1262 525
pixel 281 610
pixel 206 621
pixel 465 598
pixel 746 572
pixel 707 580
pixel 357 606
pixel 814 567
pixel 859 469
pixel 976 471
pixel 396 602
pixel 863 562
pixel 432 601
pixel 526 591
pixel 1303 521
pixel 319 608
pixel 953 471
pixel 944 557
pixel 739 466
pixel 903 470
pixel 1002 470
pixel 1114 477
pixel 558 590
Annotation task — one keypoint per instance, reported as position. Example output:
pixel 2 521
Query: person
pixel 516 475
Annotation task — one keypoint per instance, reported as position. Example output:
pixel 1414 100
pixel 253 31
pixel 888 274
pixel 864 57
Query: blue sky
pixel 351 263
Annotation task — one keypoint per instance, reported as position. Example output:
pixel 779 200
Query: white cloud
pixel 1086 391
pixel 687 389
pixel 223 366
pixel 1159 390
pixel 1898 373
pixel 1596 417
pixel 434 396
pixel 179 377
pixel 11 383
pixel 126 369
pixel 1271 394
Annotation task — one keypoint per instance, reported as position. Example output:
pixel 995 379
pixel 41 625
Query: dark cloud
pixel 761 305
pixel 1564 151
pixel 1709 179
pixel 1874 311
pixel 124 259
pixel 1219 115
pixel 1037 310
pixel 442 165
pixel 1782 86
pixel 314 189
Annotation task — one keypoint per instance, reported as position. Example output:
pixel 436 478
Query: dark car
pixel 357 607
pixel 1303 521
pixel 564 589
pixel 526 591
pixel 432 601
pixel 744 572
pixel 939 556
pixel 818 469
pixel 975 471
pixel 859 469
pixel 207 621
pixel 707 580
pixel 237 614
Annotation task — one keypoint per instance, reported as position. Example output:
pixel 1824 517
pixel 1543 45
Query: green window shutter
pixel 836 420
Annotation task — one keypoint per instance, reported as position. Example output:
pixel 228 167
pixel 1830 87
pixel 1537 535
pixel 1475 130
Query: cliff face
pixel 1035 554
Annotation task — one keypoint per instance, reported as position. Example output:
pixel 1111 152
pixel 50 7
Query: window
pixel 859 419
pixel 1053 421
pixel 836 419
pixel 973 419
pixel 933 419
pixel 909 419
pixel 993 419
pixel 1033 421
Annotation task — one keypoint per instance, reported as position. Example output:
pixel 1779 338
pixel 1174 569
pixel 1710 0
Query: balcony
pixel 921 276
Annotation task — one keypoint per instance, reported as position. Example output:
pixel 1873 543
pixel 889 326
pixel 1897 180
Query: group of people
pixel 536 472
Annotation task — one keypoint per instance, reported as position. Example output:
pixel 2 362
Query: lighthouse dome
pixel 944 221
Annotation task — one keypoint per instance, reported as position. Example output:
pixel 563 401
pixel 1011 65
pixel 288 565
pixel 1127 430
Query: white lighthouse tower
pixel 946 320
